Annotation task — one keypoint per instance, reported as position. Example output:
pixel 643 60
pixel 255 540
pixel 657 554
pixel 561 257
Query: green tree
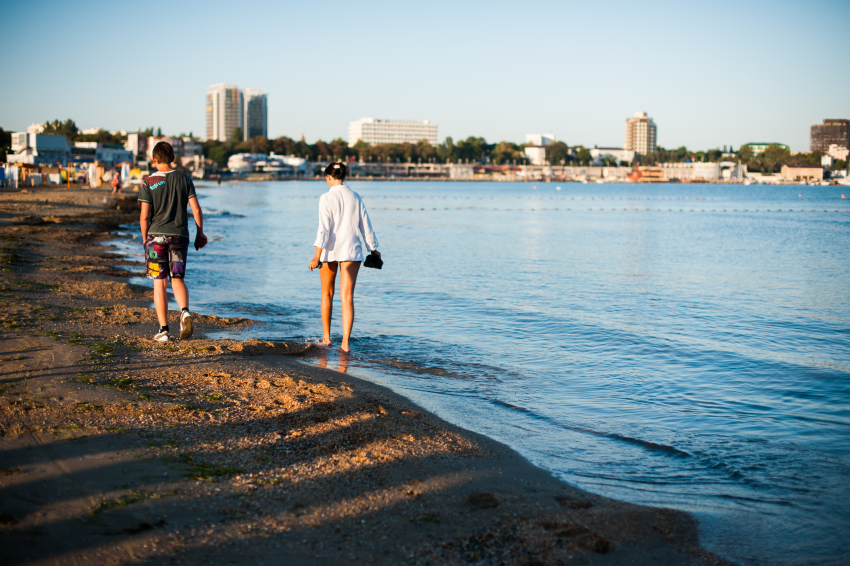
pixel 773 157
pixel 257 144
pixel 284 146
pixel 101 136
pixel 237 135
pixel 583 155
pixel 67 128
pixel 159 132
pixel 339 149
pixel 446 150
pixel 219 154
pixel 557 153
pixel 505 153
pixel 5 144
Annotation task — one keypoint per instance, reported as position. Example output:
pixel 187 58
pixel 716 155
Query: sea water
pixel 685 346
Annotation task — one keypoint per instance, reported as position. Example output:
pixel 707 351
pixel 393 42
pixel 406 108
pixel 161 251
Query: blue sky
pixel 709 73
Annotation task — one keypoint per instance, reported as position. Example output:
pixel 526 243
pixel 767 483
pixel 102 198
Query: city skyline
pixel 717 83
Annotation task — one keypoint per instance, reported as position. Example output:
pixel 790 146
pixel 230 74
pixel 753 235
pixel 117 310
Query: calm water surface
pixel 675 345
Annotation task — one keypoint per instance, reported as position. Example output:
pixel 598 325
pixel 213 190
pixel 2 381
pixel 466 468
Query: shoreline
pixel 119 449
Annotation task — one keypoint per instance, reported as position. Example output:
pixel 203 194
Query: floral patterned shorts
pixel 165 256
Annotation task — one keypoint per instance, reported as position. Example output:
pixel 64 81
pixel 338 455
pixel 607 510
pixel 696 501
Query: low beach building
pixel 617 154
pixel 802 173
pixel 724 171
pixel 535 147
pixel 274 165
pixel 108 155
pixel 39 149
pixel 137 144
pixel 837 152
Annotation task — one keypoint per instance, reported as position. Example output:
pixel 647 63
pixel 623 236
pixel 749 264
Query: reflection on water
pixel 679 345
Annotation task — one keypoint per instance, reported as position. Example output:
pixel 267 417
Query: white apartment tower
pixel 641 134
pixel 374 131
pixel 256 114
pixel 225 111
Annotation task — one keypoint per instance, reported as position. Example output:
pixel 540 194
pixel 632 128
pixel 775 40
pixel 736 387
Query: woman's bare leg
pixel 328 275
pixel 346 289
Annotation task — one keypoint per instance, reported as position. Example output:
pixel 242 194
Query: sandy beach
pixel 116 449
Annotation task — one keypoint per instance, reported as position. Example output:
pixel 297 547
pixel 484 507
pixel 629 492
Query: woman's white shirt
pixel 342 215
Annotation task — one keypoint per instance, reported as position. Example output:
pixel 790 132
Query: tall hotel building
pixel 374 131
pixel 229 107
pixel 256 114
pixel 224 111
pixel 641 134
pixel 831 132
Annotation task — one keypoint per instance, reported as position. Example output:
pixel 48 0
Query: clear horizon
pixel 734 74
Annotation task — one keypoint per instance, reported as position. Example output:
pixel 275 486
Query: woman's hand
pixel 377 253
pixel 315 263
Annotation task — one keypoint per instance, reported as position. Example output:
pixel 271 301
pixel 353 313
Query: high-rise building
pixel 225 112
pixel 831 132
pixel 374 131
pixel 256 113
pixel 641 134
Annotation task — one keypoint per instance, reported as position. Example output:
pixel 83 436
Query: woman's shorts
pixel 165 256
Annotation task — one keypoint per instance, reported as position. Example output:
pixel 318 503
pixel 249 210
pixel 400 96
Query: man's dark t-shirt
pixel 168 194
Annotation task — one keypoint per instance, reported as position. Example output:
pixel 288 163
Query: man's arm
pixel 200 238
pixel 145 220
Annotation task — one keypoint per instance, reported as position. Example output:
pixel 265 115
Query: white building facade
pixel 38 149
pixel 224 111
pixel 535 147
pixel 618 154
pixel 375 131
pixel 837 152
pixel 641 134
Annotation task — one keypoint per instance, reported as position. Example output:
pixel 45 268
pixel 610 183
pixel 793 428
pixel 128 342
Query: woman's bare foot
pixel 344 347
pixel 324 342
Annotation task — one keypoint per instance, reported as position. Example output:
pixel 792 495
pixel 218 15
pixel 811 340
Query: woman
pixel 342 215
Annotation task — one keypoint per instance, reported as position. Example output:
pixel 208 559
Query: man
pixel 165 196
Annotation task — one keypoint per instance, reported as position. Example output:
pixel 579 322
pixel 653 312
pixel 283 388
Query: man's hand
pixel 200 241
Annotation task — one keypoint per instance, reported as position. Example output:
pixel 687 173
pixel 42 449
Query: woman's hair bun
pixel 336 170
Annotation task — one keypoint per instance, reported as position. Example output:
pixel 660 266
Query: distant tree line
pixel 471 150
pixel 768 161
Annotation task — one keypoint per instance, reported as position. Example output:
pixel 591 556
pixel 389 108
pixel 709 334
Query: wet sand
pixel 115 449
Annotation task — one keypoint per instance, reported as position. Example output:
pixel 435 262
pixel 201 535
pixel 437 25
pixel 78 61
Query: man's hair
pixel 163 153
pixel 336 170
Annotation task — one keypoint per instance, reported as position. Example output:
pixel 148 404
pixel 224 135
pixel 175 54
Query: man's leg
pixel 328 275
pixel 160 300
pixel 181 292
pixel 156 258
pixel 346 289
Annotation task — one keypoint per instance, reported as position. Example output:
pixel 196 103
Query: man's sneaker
pixel 185 325
pixel 161 336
